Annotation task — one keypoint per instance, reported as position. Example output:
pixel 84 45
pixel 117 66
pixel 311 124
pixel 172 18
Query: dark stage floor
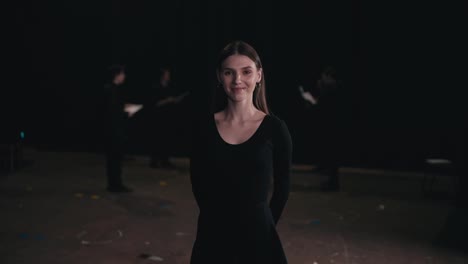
pixel 55 210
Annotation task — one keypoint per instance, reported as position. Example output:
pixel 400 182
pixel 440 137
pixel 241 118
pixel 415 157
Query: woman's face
pixel 239 75
pixel 119 78
pixel 166 76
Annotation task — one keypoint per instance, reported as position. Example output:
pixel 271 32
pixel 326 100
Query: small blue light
pixel 22 134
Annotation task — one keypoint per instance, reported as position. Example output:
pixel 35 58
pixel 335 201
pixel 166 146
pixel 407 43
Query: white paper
pixel 131 109
pixel 308 97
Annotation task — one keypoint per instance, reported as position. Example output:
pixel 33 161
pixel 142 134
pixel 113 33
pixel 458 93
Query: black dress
pixel 231 185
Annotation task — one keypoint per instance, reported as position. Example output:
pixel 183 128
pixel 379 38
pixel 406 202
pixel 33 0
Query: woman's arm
pixel 196 161
pixel 282 156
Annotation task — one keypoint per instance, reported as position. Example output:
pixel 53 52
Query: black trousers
pixel 162 134
pixel 328 144
pixel 116 146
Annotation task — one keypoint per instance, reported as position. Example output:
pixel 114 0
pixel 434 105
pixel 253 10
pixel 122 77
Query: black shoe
pixel 330 187
pixel 155 164
pixel 318 169
pixel 119 189
pixel 167 165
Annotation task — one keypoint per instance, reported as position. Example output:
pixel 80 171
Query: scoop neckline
pixel 244 142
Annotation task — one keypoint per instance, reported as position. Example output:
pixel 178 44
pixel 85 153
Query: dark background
pixel 399 63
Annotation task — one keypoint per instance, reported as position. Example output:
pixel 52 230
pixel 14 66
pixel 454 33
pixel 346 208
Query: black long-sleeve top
pixel 231 184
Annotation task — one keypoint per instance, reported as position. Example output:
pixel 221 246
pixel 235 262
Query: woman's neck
pixel 239 111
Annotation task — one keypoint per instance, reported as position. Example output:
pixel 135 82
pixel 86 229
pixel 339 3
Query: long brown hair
pixel 239 47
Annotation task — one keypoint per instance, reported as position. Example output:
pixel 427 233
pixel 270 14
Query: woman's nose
pixel 238 78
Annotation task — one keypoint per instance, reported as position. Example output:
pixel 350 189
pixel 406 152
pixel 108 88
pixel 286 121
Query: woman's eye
pixel 247 72
pixel 226 73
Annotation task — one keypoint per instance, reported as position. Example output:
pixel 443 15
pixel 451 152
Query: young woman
pixel 236 153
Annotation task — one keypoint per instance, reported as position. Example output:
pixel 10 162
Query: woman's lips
pixel 238 89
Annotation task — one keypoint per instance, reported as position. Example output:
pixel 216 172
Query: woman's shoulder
pixel 278 125
pixel 280 132
pixel 276 120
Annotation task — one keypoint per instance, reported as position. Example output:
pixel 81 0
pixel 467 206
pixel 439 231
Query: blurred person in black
pixel 326 101
pixel 454 231
pixel 116 118
pixel 163 102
